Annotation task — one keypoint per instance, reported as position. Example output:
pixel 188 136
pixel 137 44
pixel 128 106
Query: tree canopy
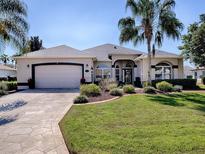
pixel 13 24
pixel 193 47
pixel 151 21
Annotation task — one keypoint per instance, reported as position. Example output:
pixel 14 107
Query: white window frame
pixel 163 67
pixel 103 74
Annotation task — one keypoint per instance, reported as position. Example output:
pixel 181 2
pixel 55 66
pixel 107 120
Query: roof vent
pixel 115 47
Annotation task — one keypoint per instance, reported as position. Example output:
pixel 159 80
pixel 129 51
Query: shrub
pixel 82 81
pixel 116 92
pixel 81 99
pixel 164 86
pixel 203 80
pixel 177 88
pixel 129 89
pixel 3 86
pixel 138 82
pixel 11 86
pixel 149 90
pixel 31 84
pixel 145 84
pixel 90 90
pixel 186 83
pixel 112 86
pixel 2 92
pixel 105 84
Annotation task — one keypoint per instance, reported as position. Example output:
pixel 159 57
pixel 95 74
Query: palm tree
pixel 151 20
pixel 4 58
pixel 13 24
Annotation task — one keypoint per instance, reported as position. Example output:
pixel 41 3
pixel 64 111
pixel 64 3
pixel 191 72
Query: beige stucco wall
pixel 24 67
pixel 177 72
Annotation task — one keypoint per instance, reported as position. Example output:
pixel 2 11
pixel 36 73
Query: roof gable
pixel 102 51
pixel 62 51
pixel 162 54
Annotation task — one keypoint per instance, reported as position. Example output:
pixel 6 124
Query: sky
pixel 83 24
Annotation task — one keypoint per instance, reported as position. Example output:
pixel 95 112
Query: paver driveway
pixel 29 121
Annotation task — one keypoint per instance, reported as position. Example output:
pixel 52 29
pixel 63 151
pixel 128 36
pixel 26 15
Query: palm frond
pixel 133 6
pixel 10 7
pixel 126 23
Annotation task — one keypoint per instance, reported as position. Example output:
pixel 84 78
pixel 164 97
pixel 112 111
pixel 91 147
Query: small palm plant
pixel 151 20
pixel 13 24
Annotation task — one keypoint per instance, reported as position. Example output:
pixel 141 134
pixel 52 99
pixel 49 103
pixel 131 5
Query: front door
pixel 128 76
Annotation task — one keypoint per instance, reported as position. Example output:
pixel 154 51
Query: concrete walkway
pixel 29 121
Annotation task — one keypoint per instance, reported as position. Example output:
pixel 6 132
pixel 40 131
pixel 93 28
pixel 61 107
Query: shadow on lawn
pixel 165 100
pixel 180 99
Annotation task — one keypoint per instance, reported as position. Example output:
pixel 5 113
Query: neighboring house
pixel 198 73
pixel 64 67
pixel 6 71
pixel 188 73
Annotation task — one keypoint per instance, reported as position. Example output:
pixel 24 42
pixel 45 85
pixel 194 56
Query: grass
pixel 154 124
pixel 202 86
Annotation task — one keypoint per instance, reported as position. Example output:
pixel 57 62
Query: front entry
pixel 127 76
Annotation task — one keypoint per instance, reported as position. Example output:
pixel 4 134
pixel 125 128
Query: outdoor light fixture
pixel 28 65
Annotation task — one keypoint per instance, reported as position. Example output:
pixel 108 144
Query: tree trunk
pixel 149 61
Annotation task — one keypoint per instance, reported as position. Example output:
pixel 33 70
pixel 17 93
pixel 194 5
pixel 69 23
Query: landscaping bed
pixel 104 96
pixel 172 123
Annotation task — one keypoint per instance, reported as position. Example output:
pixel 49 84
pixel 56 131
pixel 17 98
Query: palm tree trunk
pixel 149 61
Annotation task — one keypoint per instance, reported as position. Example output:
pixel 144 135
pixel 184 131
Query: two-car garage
pixel 57 67
pixel 57 76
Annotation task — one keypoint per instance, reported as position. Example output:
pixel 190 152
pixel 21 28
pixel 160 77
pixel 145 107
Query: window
pixel 103 72
pixel 163 71
pixel 117 73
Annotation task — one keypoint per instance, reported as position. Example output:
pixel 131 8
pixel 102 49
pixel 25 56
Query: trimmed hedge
pixel 186 83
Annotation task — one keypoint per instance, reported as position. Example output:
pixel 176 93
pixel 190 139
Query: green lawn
pixel 202 86
pixel 138 124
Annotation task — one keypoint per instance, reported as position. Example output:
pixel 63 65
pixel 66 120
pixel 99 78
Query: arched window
pixel 163 71
pixel 117 73
pixel 103 71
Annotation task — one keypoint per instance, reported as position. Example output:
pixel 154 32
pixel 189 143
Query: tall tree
pixel 32 44
pixel 151 20
pixel 13 24
pixel 35 43
pixel 4 58
pixel 193 47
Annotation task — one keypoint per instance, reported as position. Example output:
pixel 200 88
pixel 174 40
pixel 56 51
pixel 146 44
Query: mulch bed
pixel 104 96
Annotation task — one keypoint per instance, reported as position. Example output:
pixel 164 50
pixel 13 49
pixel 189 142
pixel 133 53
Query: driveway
pixel 29 121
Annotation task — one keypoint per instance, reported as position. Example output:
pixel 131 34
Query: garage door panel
pixel 58 76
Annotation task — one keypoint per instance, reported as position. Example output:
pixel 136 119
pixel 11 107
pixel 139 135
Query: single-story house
pixel 6 71
pixel 64 67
